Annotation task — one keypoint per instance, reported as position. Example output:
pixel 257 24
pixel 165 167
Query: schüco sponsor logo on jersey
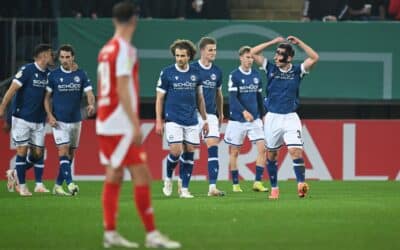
pixel 39 83
pixel 184 85
pixel 72 86
pixel 209 84
pixel 284 75
pixel 69 87
pixel 249 88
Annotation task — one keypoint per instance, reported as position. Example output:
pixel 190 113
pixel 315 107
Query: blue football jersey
pixel 244 88
pixel 180 103
pixel 29 98
pixel 211 79
pixel 67 88
pixel 282 90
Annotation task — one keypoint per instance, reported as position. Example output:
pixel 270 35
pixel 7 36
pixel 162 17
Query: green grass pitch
pixel 337 215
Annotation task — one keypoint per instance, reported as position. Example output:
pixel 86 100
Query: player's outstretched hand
pixel 248 116
pixel 52 121
pixel 206 129
pixel 293 39
pixel 159 127
pixel 90 109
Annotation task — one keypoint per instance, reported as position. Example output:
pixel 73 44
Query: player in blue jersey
pixel 282 124
pixel 246 110
pixel 62 103
pixel 28 117
pixel 211 78
pixel 179 92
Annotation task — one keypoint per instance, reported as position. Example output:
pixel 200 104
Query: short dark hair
pixel 204 41
pixel 184 44
pixel 41 48
pixel 66 47
pixel 123 11
pixel 288 49
pixel 244 49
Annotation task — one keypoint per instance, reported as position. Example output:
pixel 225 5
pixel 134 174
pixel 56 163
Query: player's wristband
pixel 205 121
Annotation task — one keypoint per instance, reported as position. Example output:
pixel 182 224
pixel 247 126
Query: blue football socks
pixel 299 169
pixel 213 165
pixel 235 176
pixel 172 161
pixel 188 161
pixel 272 169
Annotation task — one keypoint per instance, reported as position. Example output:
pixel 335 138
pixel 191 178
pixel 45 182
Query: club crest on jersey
pixel 193 77
pixel 19 74
pixel 256 80
pixel 176 77
pixel 61 79
pixel 36 75
pixel 213 77
pixel 77 79
pixel 242 80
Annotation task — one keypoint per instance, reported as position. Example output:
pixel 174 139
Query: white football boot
pixel 157 240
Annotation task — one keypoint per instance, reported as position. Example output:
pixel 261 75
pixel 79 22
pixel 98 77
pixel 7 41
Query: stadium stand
pixel 266 9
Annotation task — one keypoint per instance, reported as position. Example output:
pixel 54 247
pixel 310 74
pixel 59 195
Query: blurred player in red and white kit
pixel 118 131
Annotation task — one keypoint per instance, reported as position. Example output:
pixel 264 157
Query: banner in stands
pixel 334 150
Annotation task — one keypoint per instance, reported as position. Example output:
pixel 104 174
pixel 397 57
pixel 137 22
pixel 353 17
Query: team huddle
pixel 190 98
pixel 34 93
pixel 189 106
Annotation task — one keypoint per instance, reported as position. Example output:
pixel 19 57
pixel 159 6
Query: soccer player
pixel 282 124
pixel 211 78
pixel 28 117
pixel 62 105
pixel 118 131
pixel 245 109
pixel 180 92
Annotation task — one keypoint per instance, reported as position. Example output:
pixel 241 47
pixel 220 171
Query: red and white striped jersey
pixel 117 58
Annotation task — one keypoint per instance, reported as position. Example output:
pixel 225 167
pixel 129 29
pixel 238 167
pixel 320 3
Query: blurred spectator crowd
pixel 207 9
pixel 314 10
pixel 358 10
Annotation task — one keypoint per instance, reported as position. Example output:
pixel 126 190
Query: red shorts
pixel 116 151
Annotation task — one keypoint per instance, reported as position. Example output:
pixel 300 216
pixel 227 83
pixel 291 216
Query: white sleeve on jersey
pixel 264 65
pixel 49 87
pixel 88 88
pixel 303 70
pixel 200 89
pixel 123 67
pixel 21 76
pixel 87 85
pixel 230 85
pixel 160 84
pixel 18 82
